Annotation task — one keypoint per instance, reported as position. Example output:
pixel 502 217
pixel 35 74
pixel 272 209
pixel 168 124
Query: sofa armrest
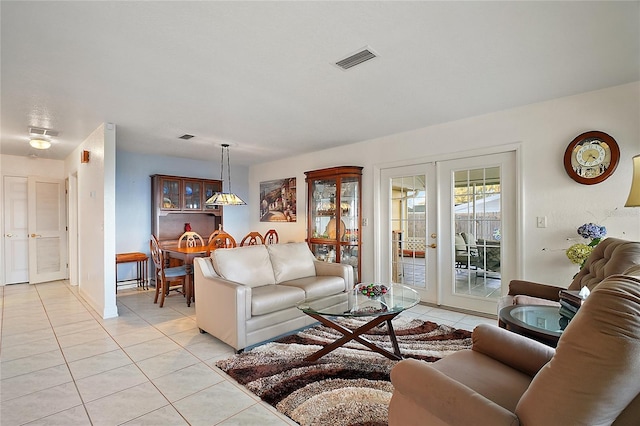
pixel 336 269
pixel 222 306
pixel 529 288
pixel 518 352
pixel 450 401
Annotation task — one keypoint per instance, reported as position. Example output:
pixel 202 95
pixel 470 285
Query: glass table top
pixel 542 318
pixel 380 299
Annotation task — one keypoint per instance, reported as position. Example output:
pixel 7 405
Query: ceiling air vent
pixel 39 131
pixel 186 137
pixel 357 58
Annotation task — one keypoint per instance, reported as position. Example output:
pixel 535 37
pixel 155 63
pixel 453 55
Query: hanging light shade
pixel 225 198
pixel 634 193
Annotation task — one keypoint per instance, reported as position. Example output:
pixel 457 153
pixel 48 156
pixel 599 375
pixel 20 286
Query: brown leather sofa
pixel 611 256
pixel 247 295
pixel 591 378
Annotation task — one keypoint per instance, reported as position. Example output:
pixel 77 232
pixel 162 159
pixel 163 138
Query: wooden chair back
pixel 156 254
pixel 213 234
pixel 271 237
pixel 252 239
pixel 222 240
pixel 190 239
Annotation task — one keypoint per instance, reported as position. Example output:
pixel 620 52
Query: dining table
pixel 186 254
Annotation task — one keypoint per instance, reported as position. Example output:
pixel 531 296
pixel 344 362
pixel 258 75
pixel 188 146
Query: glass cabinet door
pixel 323 216
pixel 349 205
pixel 171 193
pixel 192 195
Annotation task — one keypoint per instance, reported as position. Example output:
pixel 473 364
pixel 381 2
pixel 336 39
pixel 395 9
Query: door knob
pixel 35 235
pixel 433 245
pixel 8 235
pixel 433 235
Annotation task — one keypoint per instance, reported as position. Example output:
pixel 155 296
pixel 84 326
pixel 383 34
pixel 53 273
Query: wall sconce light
pixel 634 193
pixel 39 143
pixel 84 156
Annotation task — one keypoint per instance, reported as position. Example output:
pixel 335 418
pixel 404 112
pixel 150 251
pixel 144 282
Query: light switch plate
pixel 542 222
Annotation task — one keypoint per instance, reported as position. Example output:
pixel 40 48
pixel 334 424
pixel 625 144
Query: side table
pixel 539 322
pixel 141 261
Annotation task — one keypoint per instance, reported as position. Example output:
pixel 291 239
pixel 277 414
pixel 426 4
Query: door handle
pixel 433 245
pixel 35 235
pixel 8 235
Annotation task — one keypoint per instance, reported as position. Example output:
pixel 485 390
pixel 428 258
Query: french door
pixel 449 229
pixel 409 233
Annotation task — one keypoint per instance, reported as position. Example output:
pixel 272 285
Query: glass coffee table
pixel 386 302
pixel 541 323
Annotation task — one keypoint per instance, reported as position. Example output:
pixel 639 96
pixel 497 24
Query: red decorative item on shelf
pixel 187 227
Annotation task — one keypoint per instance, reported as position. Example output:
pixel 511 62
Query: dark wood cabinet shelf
pixel 177 200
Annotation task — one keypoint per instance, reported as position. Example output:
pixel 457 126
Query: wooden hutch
pixel 177 200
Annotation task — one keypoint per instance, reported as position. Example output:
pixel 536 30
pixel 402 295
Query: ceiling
pixel 260 75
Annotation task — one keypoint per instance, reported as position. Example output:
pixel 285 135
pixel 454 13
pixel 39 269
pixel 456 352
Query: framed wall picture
pixel 278 200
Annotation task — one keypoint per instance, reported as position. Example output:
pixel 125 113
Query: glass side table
pixel 539 322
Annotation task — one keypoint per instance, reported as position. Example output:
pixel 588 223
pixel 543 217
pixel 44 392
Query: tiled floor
pixel 61 364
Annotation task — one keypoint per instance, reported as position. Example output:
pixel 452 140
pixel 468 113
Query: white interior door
pixel 47 230
pixel 16 232
pixel 409 228
pixel 477 200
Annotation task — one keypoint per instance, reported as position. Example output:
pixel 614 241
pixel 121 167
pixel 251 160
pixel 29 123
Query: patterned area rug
pixel 349 386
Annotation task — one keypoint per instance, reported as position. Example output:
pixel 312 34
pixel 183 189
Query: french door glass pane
pixel 477 222
pixel 408 230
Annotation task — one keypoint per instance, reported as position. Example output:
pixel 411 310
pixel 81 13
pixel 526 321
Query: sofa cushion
pixel 594 373
pixel 316 287
pixel 248 265
pixel 291 261
pixel 272 298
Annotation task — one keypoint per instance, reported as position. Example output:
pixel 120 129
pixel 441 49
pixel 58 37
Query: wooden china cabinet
pixel 334 215
pixel 177 200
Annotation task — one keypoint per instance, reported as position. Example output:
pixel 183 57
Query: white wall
pixel 543 130
pixel 96 219
pixel 11 165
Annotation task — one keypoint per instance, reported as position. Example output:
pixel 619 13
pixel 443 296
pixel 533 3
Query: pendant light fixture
pixel 225 198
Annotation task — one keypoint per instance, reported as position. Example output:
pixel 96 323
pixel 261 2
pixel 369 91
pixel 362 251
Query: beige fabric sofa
pixel 591 378
pixel 247 295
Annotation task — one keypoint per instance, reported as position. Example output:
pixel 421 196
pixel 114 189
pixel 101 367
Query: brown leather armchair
pixel 611 256
pixel 506 379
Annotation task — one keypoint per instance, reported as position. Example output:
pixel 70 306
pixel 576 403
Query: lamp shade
pixel 634 193
pixel 38 143
pixel 224 199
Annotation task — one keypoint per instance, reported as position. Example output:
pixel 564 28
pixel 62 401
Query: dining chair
pixel 190 239
pixel 222 240
pixel 213 234
pixel 165 275
pixel 271 237
pixel 252 239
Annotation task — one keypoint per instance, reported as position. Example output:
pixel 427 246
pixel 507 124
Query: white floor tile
pixel 149 366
